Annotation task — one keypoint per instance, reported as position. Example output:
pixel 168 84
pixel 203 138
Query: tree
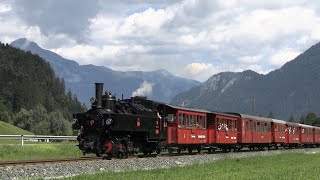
pixel 302 119
pixel 291 118
pixel 270 115
pixel 4 114
pixel 59 125
pixel 310 119
pixel 24 119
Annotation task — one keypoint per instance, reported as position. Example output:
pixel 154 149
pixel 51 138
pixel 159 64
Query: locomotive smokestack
pixel 99 88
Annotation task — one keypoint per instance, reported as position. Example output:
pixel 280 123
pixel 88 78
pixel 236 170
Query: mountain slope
pixel 81 78
pixel 291 90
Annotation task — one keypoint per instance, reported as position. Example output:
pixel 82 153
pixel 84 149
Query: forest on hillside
pixel 32 97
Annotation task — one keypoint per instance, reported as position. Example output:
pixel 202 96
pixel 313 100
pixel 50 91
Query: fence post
pixel 21 140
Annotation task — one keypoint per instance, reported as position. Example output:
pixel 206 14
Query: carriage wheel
pixel 199 149
pixel 158 150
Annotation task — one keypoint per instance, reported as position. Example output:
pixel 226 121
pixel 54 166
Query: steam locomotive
pixel 120 127
pixel 124 127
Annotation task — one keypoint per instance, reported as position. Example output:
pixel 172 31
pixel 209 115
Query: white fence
pixel 22 138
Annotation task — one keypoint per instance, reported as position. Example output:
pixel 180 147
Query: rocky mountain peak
pixel 291 90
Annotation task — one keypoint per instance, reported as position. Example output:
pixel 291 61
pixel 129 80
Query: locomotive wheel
pixel 145 151
pixel 158 150
pixel 123 152
pixel 107 148
pixel 98 153
pixel 98 150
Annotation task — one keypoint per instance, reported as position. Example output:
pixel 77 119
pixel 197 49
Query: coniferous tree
pixel 31 94
pixel 270 115
pixel 291 118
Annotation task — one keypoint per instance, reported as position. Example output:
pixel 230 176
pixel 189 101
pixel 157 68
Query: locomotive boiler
pixel 120 127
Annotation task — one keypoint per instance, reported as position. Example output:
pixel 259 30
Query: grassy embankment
pixel 284 166
pixel 8 129
pixel 11 150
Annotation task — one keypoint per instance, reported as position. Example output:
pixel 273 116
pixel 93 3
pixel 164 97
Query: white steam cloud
pixel 144 89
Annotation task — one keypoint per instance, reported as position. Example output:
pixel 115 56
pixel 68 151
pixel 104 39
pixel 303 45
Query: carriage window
pixel 205 122
pixel 185 120
pixel 258 127
pixel 247 125
pixel 180 120
pixel 233 127
pixel 189 121
pixel 199 121
pixel 196 121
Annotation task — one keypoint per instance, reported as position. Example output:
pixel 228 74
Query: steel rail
pixel 45 161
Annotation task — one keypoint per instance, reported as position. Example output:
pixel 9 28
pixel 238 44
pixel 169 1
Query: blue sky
pixel 189 38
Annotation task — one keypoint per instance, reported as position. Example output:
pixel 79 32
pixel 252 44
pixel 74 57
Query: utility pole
pixel 254 104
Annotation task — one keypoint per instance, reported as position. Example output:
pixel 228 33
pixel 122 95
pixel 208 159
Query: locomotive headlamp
pixel 109 121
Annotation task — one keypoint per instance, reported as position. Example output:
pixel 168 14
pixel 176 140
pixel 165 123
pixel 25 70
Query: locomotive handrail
pixel 22 138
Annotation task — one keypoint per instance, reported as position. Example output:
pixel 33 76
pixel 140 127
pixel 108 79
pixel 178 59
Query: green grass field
pixel 39 151
pixel 284 166
pixel 11 150
pixel 8 129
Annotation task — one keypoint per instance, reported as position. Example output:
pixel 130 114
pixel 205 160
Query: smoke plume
pixel 145 89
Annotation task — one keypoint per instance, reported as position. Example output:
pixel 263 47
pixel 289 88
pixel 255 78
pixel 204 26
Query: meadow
pixel 35 151
pixel 284 166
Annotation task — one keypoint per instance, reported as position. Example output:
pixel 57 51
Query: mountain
pixel 32 97
pixel 291 90
pixel 80 79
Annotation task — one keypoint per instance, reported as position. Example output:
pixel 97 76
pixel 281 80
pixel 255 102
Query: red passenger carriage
pixel 254 131
pixel 317 135
pixel 278 130
pixel 293 134
pixel 222 130
pixel 307 134
pixel 187 128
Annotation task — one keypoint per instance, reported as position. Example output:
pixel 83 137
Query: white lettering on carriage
pixel 201 136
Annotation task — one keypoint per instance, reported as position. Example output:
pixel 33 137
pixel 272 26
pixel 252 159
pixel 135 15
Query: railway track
pixel 83 159
pixel 46 161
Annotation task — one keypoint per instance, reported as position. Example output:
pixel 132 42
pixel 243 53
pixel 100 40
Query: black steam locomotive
pixel 120 127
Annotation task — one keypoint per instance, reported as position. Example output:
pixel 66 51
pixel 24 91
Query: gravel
pixel 55 170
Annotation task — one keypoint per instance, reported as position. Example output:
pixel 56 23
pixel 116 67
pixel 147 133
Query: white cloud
pixel 283 56
pixel 195 69
pixel 144 23
pixel 221 35
pixel 190 39
pixel 5 8
pixel 250 59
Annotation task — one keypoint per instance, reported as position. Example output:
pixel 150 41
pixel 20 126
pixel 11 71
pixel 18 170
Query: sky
pixel 190 38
